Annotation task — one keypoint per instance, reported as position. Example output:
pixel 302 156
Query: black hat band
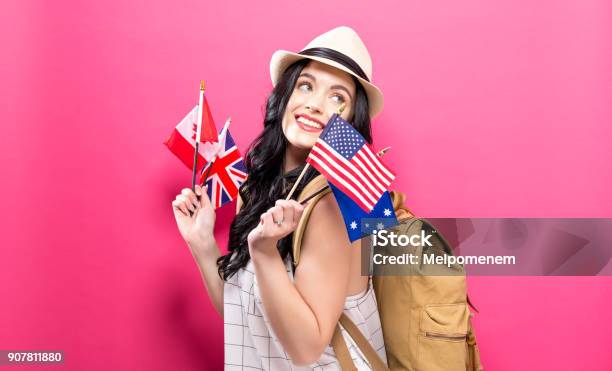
pixel 338 57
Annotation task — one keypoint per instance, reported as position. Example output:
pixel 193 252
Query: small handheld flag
pixel 382 216
pixel 205 125
pixel 209 132
pixel 182 141
pixel 224 175
pixel 343 156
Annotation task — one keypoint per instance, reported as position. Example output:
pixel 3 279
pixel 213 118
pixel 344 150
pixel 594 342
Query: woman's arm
pixel 304 315
pixel 207 262
pixel 196 220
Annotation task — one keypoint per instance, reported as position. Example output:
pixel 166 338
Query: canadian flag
pixel 181 141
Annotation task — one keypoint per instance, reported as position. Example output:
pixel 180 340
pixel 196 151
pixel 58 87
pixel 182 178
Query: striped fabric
pixel 250 343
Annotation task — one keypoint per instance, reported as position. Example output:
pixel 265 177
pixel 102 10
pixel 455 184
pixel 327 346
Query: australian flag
pixel 360 223
pixel 227 171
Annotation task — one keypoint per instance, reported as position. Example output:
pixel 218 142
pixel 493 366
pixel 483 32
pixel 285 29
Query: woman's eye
pixel 304 86
pixel 338 98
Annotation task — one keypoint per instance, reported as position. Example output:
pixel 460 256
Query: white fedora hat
pixel 341 48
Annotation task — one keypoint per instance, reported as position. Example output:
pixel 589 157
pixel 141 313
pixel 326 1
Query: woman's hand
pixel 196 227
pixel 274 224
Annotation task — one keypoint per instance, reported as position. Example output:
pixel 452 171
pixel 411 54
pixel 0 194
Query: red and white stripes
pixel 364 178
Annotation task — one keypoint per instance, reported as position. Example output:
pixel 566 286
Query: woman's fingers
pixel 204 200
pixel 298 209
pixel 188 203
pixel 185 203
pixel 286 214
pixel 278 216
pixel 190 197
pixel 288 211
pixel 279 221
pixel 176 205
pixel 266 219
pixel 180 205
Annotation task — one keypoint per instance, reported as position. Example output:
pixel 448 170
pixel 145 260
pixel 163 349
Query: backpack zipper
pixel 446 337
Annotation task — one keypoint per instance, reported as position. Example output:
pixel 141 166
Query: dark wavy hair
pixel 266 182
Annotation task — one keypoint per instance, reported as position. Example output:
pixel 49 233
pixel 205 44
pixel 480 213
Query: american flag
pixel 227 173
pixel 343 156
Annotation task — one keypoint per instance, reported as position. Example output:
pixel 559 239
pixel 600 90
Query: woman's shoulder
pixel 326 220
pixel 327 209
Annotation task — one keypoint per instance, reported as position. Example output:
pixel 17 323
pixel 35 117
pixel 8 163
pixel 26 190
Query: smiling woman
pixel 278 315
pixel 319 91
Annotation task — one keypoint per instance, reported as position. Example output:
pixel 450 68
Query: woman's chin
pixel 302 145
pixel 302 140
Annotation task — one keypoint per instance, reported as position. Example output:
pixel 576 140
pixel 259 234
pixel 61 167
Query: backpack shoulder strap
pixel 340 349
pixel 338 344
pixel 363 344
pixel 313 186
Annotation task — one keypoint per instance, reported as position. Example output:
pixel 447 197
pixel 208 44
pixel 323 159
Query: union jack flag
pixel 343 156
pixel 227 172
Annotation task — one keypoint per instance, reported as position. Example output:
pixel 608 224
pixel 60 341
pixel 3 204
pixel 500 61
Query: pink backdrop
pixel 498 109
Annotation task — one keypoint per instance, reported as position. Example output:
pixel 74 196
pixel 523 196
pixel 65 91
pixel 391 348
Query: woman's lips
pixel 306 127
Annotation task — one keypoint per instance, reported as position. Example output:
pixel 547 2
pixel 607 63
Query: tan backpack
pixel 425 318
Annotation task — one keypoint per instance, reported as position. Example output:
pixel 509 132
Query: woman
pixel 277 318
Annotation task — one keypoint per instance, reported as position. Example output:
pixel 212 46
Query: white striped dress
pixel 250 343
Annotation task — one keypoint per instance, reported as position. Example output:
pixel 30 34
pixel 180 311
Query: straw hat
pixel 341 48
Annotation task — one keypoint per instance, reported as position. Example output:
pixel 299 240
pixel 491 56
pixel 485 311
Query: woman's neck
pixel 294 157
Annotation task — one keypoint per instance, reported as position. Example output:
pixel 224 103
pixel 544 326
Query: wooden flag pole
pixel 212 161
pixel 198 135
pixel 382 152
pixel 297 182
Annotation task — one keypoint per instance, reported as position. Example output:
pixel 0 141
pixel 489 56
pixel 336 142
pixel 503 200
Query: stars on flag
pixel 387 212
pixel 344 139
pixel 353 225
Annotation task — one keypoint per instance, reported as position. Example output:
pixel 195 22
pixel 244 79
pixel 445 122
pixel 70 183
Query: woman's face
pixel 318 93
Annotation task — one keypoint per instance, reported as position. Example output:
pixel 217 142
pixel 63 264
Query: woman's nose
pixel 315 102
pixel 312 108
pixel 314 105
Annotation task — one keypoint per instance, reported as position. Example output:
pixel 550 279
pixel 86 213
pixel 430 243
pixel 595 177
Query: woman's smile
pixel 308 123
pixel 319 91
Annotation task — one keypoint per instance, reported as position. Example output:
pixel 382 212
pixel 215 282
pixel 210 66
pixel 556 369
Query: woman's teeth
pixel 309 123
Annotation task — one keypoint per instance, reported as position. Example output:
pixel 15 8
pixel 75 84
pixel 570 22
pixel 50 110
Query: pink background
pixel 497 109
